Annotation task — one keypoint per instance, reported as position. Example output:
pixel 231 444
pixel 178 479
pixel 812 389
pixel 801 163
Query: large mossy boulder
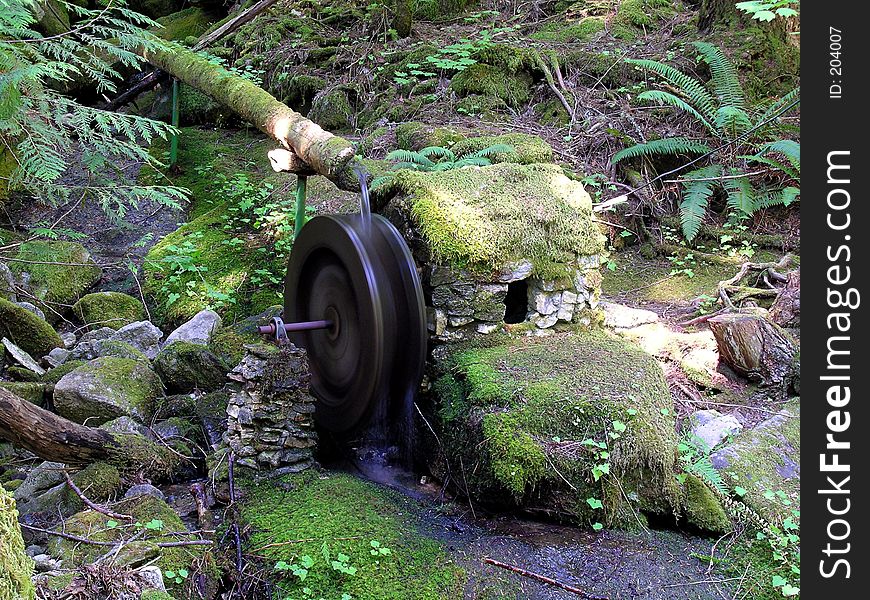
pixel 106 388
pixel 185 366
pixel 108 309
pixel 487 80
pixel 56 272
pixel 527 149
pixel 45 492
pixel 26 330
pixel 352 515
pixel 765 461
pixel 580 427
pixel 482 218
pixel 16 567
pixel 26 390
pixel 180 25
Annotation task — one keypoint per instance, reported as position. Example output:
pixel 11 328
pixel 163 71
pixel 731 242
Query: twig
pixel 543 578
pixel 91 504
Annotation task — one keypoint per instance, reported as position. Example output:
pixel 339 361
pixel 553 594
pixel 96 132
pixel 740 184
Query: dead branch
pixel 543 578
pixel 91 504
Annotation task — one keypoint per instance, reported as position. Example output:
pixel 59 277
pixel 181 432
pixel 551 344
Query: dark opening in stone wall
pixel 516 302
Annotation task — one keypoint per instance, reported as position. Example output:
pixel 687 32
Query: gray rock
pixel 765 461
pixel 125 425
pixel 145 489
pixel 198 330
pixel 107 388
pixel 515 271
pixel 142 335
pixel 546 303
pixel 88 347
pixel 22 357
pixel 33 550
pixel 32 308
pixel 547 321
pixel 57 357
pixel 619 316
pixel 460 321
pixel 151 578
pixel 7 283
pixel 710 427
pixel 44 563
pixel 69 339
pixel 487 328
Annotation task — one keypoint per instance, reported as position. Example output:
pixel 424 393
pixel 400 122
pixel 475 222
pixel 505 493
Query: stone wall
pixel 270 422
pixel 463 303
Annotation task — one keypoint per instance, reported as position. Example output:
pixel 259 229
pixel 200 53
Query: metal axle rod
pixel 301 326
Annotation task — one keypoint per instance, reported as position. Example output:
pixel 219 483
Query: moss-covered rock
pixel 485 217
pixel 416 136
pixel 59 272
pixel 488 108
pixel 346 515
pixel 155 595
pixel 487 80
pixel 633 17
pixel 108 309
pixel 301 90
pixel 185 367
pixel 765 461
pixel 45 491
pixel 30 391
pixel 106 388
pixel 527 149
pixel 56 374
pixel 702 508
pixel 331 110
pixel 571 31
pixel 119 349
pixel 16 567
pixel 26 330
pixel 190 22
pixel 143 509
pixel 549 426
pixel 22 374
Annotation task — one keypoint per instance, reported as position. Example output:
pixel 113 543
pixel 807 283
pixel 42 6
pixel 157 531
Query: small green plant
pixel 726 115
pixel 176 576
pixel 768 11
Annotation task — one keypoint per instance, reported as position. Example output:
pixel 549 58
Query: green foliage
pixel 724 113
pixel 45 129
pixel 766 11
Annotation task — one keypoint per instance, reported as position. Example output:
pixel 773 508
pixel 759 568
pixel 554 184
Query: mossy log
pixel 324 152
pixel 54 438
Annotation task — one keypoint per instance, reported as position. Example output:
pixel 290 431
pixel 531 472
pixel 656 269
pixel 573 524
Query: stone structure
pixel 270 421
pixel 463 303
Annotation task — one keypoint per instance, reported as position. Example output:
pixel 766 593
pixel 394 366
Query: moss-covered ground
pixel 312 520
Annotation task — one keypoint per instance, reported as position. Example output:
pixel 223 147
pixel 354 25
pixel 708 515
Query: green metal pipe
pixel 301 184
pixel 173 142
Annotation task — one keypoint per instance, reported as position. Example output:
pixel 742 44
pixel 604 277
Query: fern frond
pixel 472 161
pixel 777 106
pixel 742 196
pixel 699 186
pixel 677 145
pixel 784 197
pixel 725 81
pixel 409 156
pixel 732 121
pixel 788 148
pixel 490 151
pixel 380 181
pixel 438 152
pixel 694 91
pixel 677 102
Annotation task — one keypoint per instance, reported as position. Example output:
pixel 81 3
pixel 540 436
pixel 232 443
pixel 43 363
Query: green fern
pixel 678 145
pixel 445 160
pixel 692 89
pixel 742 197
pixel 725 81
pixel 699 186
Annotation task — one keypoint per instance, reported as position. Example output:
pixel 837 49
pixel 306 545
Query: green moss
pixel 21 374
pixel 344 515
pixel 143 509
pixel 436 10
pixel 229 344
pixel 576 31
pixel 634 17
pixel 108 309
pixel 185 23
pixel 155 595
pixel 416 136
pixel 300 91
pixel 99 481
pixel 486 80
pixel 26 330
pixel 16 567
pixel 54 375
pixel 331 110
pixel 121 350
pixel 527 149
pixel 489 108
pixel 769 65
pixel 60 272
pixel 531 409
pixel 485 217
pixel 30 391
pixel 703 508
pixel 551 112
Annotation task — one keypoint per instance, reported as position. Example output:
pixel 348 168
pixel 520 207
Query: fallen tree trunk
pixel 324 152
pixel 754 347
pixel 54 438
